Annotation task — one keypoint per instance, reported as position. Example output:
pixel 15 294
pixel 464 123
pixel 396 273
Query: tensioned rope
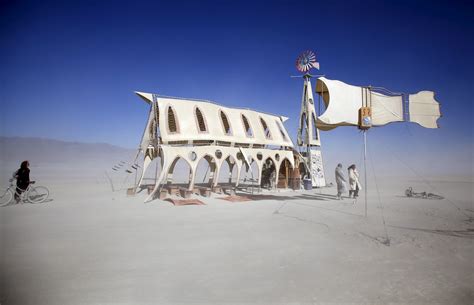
pixel 387 239
pixel 426 181
pixel 382 89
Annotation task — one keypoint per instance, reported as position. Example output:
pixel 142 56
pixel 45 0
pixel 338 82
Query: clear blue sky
pixel 69 68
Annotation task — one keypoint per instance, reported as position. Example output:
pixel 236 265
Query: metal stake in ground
pixel 365 169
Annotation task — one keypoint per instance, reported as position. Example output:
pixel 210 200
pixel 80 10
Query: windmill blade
pixel 306 61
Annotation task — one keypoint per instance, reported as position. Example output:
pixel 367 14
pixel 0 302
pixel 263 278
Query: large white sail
pixel 343 102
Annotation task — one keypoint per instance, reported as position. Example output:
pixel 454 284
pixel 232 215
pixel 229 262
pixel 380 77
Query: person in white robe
pixel 354 184
pixel 340 181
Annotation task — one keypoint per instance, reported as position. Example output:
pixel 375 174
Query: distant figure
pixel 268 175
pixel 354 184
pixel 272 179
pixel 22 176
pixel 340 181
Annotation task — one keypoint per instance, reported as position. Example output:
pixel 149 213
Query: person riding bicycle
pixel 22 176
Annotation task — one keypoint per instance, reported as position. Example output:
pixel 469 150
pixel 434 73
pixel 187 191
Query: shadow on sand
pixel 305 197
pixel 468 233
pixel 46 201
pixel 256 197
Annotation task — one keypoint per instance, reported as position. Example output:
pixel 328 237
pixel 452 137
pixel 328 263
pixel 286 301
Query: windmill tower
pixel 308 134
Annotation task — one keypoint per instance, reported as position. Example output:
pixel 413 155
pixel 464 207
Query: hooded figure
pixel 22 176
pixel 340 181
pixel 354 184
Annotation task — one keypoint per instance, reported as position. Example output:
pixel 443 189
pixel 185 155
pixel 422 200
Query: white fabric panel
pixel 386 109
pixel 424 109
pixel 342 106
pixel 188 129
pixel 343 102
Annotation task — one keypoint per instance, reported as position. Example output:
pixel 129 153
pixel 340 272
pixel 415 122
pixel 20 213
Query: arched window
pixel 201 123
pixel 266 130
pixel 280 127
pixel 247 128
pixel 304 128
pixel 172 122
pixel 315 130
pixel 225 124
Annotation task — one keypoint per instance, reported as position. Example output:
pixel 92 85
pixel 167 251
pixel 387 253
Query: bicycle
pixel 410 193
pixel 31 194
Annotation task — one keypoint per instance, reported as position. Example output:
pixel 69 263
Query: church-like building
pixel 194 129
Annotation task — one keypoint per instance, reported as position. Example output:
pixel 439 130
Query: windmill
pixel 367 107
pixel 308 135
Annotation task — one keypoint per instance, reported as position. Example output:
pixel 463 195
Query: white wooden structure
pixel 308 136
pixel 194 129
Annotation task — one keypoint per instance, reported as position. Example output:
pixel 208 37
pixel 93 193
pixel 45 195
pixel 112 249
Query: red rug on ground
pixel 185 201
pixel 236 198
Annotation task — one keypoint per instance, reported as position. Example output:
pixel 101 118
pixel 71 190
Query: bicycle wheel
pixel 6 197
pixel 37 194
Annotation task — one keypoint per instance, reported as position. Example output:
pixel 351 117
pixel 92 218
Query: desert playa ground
pixel 89 245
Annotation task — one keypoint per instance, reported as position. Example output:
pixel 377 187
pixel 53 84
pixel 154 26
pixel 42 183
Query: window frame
pixel 206 127
pixel 314 129
pixel 262 122
pixel 242 117
pixel 230 133
pixel 176 121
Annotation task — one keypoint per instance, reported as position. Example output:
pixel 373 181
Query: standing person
pixel 354 184
pixel 22 176
pixel 340 181
pixel 272 179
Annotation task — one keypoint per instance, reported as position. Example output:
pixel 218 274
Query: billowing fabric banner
pixel 343 101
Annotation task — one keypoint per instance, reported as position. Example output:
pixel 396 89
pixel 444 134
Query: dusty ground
pixel 90 245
